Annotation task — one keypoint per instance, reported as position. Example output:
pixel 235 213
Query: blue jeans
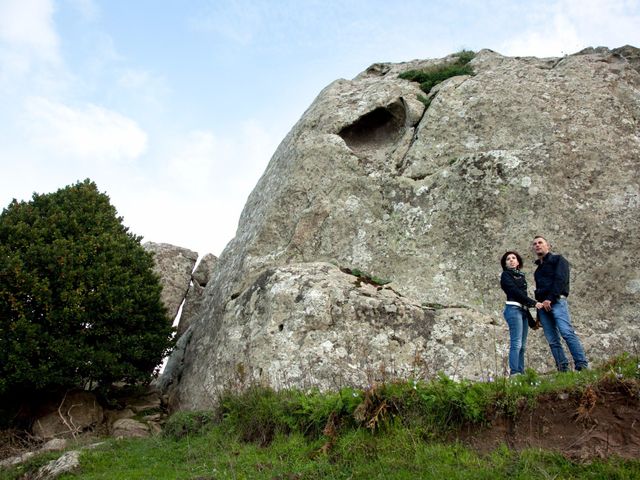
pixel 556 324
pixel 518 330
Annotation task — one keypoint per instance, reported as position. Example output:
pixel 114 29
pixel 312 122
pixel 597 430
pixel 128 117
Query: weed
pixel 257 414
pixel 430 77
pixel 425 100
pixel 185 423
pixel 364 277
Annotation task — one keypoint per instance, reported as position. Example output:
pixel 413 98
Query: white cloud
pixel 150 88
pixel 27 25
pixel 87 8
pixel 236 21
pixel 198 188
pixel 91 132
pixel 567 26
pixel 556 39
pixel 192 163
pixel 202 158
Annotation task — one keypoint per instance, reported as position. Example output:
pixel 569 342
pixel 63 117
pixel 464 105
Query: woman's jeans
pixel 518 330
pixel 557 324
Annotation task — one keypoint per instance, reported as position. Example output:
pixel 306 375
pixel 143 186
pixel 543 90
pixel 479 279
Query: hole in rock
pixel 376 129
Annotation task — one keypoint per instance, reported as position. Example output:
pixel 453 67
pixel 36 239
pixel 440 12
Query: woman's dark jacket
pixel 514 285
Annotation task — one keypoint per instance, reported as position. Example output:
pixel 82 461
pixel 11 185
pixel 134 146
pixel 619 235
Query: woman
pixel 514 285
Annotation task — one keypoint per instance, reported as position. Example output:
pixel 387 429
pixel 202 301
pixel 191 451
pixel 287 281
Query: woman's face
pixel 512 261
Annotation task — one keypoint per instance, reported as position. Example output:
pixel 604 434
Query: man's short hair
pixel 543 238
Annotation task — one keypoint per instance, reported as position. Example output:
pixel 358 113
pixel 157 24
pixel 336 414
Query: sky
pixel 174 108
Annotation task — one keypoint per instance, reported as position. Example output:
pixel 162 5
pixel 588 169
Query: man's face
pixel 540 246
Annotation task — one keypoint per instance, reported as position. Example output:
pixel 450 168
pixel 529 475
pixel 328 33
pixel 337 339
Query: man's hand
pixel 546 305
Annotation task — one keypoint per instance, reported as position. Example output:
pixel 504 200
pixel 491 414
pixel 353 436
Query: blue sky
pixel 175 108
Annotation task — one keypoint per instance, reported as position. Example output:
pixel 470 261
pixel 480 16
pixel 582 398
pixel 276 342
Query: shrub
pixel 430 77
pixel 257 414
pixel 183 424
pixel 79 303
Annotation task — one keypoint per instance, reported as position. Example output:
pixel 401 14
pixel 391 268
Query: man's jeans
pixel 556 324
pixel 518 329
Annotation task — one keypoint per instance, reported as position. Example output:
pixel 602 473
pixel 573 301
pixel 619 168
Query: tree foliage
pixel 79 302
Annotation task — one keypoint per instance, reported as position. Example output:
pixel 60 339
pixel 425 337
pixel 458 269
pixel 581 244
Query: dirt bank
pixel 602 421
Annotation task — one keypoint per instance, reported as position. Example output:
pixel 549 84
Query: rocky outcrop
pixel 174 266
pixel 313 325
pixel 79 414
pixel 193 303
pixel 429 194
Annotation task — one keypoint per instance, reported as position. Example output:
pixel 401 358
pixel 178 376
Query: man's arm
pixel 560 278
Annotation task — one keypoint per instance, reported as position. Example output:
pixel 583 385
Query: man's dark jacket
pixel 552 277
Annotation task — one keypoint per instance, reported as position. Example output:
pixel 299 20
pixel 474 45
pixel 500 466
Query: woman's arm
pixel 513 290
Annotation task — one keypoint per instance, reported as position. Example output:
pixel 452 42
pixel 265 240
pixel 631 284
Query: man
pixel 552 289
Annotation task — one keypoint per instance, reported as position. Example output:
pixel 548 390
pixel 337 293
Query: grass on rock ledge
pixel 394 430
pixel 432 76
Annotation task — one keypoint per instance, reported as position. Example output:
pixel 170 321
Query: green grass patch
pixel 430 77
pixel 393 430
pixel 188 423
pixel 399 453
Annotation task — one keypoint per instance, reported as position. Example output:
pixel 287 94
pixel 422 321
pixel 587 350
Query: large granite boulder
pixel 429 194
pixel 315 325
pixel 174 265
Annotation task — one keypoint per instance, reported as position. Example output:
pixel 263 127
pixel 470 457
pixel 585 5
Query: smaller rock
pixel 156 417
pixel 55 445
pixel 129 428
pixel 174 265
pixel 204 270
pixel 155 428
pixel 66 463
pixel 149 402
pixel 78 411
pixel 113 415
pixel 15 460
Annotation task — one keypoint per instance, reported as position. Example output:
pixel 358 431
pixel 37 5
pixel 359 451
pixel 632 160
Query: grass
pixel 430 77
pixel 395 430
pixel 365 277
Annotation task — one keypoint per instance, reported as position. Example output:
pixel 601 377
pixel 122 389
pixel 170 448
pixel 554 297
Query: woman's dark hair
pixel 503 260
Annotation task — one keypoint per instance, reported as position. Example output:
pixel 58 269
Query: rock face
pixel 195 296
pixel 174 266
pixel 430 198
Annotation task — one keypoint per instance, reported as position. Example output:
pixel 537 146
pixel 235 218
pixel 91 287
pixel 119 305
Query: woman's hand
pixel 539 305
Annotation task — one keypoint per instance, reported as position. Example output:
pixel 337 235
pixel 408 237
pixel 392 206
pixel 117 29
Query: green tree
pixel 79 302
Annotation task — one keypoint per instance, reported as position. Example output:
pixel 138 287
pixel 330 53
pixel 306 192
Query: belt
pixel 509 302
pixel 562 296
